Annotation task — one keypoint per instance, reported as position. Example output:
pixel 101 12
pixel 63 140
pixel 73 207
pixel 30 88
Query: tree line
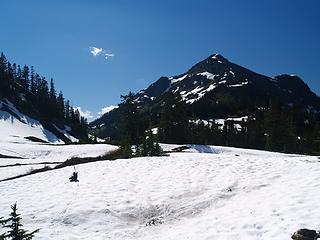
pixel 135 133
pixel 33 95
pixel 277 127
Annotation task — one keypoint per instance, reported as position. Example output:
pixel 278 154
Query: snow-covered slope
pixel 16 126
pixel 34 156
pixel 205 193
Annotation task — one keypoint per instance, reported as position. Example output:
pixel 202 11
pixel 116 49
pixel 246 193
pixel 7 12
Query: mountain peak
pixel 217 58
pixel 214 64
pixel 216 88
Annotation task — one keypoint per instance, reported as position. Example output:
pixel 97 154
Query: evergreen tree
pixel 280 127
pixel 25 79
pixel 14 73
pixel 149 146
pixel 3 64
pixel 61 108
pixel 126 147
pixel 10 75
pixel 76 116
pixel 4 83
pixel 52 92
pixel 67 110
pixel 157 149
pixel 3 222
pixel 83 130
pixel 271 121
pixel 131 125
pixel 229 133
pixel 316 139
pixel 143 147
pixel 43 97
pixel 32 81
pixel 19 75
pixel 173 126
pixel 255 137
pixel 288 134
pixel 14 224
pixel 30 93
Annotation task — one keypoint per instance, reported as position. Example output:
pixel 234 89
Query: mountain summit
pixel 216 88
pixel 216 75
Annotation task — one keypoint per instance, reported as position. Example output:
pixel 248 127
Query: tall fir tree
pixel 25 79
pixel 173 125
pixel 61 108
pixel 130 119
pixel 16 232
pixel 272 119
pixel 52 92
pixel 32 82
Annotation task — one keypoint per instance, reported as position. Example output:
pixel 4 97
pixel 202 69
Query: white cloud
pixel 86 114
pixel 107 109
pixel 108 55
pixel 95 51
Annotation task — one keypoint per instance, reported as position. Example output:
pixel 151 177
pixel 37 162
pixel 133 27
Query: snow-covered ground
pixel 16 127
pixel 34 153
pixel 204 193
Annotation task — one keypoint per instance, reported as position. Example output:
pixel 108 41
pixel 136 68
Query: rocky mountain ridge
pixel 218 88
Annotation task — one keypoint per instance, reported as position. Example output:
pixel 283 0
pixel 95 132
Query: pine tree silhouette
pixel 2 236
pixel 14 224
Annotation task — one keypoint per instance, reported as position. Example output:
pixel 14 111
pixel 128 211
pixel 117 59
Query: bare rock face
pixel 305 234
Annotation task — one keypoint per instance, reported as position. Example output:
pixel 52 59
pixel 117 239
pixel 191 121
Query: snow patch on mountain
pixel 211 87
pixel 208 75
pixel 173 80
pixel 238 85
pixel 15 126
pixel 185 94
pixel 215 56
pixel 66 133
pixel 107 109
pixel 155 130
pixel 196 94
pixel 237 121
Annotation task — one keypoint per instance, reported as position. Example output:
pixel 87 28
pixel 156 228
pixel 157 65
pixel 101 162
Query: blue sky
pixel 148 39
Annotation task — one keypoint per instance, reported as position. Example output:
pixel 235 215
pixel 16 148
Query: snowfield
pixel 15 148
pixel 205 193
pixel 16 126
pixel 37 155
